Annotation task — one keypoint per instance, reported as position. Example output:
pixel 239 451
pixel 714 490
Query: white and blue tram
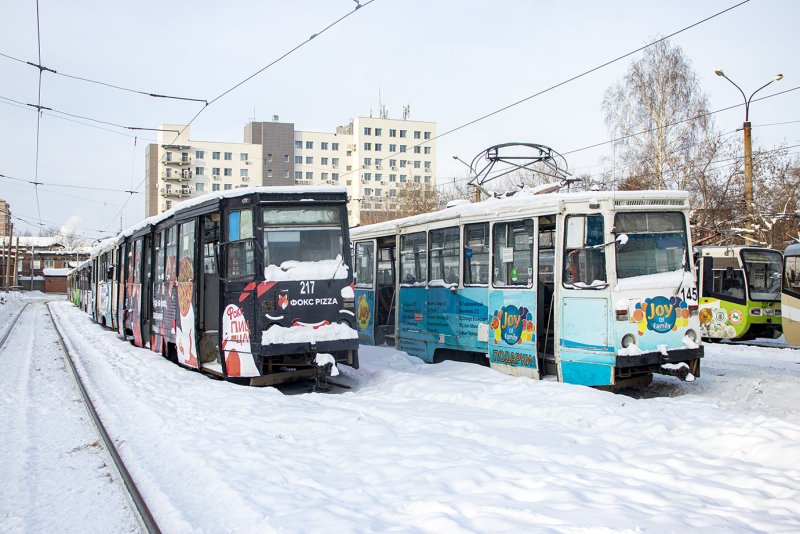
pixel 594 288
pixel 253 285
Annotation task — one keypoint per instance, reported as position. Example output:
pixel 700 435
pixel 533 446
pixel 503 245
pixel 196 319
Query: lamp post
pixel 748 155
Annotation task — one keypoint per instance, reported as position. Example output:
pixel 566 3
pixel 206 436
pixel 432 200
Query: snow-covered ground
pixel 451 447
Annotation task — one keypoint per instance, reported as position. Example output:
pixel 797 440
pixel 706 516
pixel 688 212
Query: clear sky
pixel 451 61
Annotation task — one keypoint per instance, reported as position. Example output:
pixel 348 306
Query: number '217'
pixel 306 287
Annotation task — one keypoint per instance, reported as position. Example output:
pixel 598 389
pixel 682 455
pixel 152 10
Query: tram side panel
pixel 790 297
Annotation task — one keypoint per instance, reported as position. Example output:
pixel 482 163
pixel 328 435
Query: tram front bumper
pixel 664 362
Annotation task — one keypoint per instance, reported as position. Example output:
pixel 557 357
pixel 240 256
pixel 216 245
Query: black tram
pixel 253 285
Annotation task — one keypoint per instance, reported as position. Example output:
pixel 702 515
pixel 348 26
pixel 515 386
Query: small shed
pixel 55 279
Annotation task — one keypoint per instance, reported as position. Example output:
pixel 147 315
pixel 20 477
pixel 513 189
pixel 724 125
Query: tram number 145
pixel 689 294
pixel 307 287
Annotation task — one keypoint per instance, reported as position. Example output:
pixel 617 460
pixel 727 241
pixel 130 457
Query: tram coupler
pixel 680 370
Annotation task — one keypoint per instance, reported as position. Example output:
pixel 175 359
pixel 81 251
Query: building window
pixel 228 156
pixel 198 171
pixel 427 150
pixel 309 176
pixel 335 176
pixel 323 145
pixel 367 146
pixel 402 148
pixel 392 192
pixel 286 158
pixel 392 177
pixel 199 154
pixel 324 161
pixel 378 147
pixel 392 132
pixel 428 165
pixel 309 160
pixel 286 174
pixel 309 144
pixel 243 156
pixel 378 192
pixel 215 171
pixel 215 155
pixel 417 179
pixel 417 150
pixel 378 131
pixel 378 177
pixel 228 187
pixel 324 176
pixel 199 187
pixel 335 161
pixel 402 163
pixel 243 172
pixel 49 264
pixel 392 148
pixel 402 178
pixel 269 173
pixel 367 176
pixel 402 133
pixel 427 135
pixel 416 164
pixel 269 158
pixel 367 191
pixel 334 146
pixel 168 203
pixel 298 160
pixel 367 130
pixel 367 161
pixel 168 156
pixel 298 144
pixel 215 187
pixel 228 171
pixel 393 163
pixel 298 175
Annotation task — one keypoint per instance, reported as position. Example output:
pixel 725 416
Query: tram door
pixel 365 292
pixel 147 288
pixel 545 293
pixel 208 299
pixel 385 292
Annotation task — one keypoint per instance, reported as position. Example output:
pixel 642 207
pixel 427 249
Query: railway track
pixel 143 513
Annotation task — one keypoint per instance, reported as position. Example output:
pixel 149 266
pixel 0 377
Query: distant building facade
pixel 43 262
pixel 5 217
pixel 372 157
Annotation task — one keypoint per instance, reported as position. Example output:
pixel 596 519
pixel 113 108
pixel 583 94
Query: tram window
pixel 365 264
pixel 763 273
pixel 476 254
pixel 791 280
pixel 445 244
pixel 728 283
pixel 240 225
pixel 656 243
pixel 584 265
pixel 210 241
pixel 304 234
pixel 159 248
pixel 513 254
pixel 240 259
pixel 137 266
pixel 172 254
pixel 186 265
pixel 413 258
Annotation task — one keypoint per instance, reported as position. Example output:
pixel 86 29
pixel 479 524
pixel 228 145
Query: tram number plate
pixel 307 287
pixel 689 294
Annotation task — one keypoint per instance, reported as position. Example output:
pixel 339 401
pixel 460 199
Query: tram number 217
pixel 307 287
pixel 689 294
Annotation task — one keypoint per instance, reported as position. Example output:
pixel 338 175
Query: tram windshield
pixel 302 234
pixel 656 243
pixel 763 270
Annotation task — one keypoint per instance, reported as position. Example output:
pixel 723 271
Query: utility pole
pixel 748 151
pixel 7 253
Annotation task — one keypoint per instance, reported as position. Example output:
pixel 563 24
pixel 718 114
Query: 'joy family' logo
pixel 513 325
pixel 660 314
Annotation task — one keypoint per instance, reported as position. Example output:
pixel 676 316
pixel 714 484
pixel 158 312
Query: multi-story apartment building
pixel 5 218
pixel 373 157
pixel 177 168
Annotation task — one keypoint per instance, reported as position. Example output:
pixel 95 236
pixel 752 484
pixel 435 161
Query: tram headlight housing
pixel 628 340
pixel 755 312
pixel 777 312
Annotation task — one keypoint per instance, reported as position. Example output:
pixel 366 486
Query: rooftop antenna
pixel 406 111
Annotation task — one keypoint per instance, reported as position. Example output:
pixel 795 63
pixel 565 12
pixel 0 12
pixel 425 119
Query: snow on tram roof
pixel 522 199
pixel 233 193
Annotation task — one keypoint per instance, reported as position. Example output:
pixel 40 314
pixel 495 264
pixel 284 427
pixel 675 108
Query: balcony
pixel 177 175
pixel 178 192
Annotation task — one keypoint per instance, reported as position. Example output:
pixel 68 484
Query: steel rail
pixel 11 326
pixel 144 514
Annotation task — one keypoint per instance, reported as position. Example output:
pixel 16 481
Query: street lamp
pixel 748 155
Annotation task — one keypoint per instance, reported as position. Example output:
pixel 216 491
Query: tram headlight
pixel 628 340
pixel 755 311
pixel 777 312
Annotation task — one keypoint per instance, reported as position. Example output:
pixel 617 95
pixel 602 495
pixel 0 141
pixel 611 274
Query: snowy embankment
pixel 453 447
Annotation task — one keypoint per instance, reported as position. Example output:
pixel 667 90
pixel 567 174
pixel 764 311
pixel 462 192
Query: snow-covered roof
pixel 522 199
pixel 53 271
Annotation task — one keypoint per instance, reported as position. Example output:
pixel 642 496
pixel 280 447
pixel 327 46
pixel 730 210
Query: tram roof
pixel 233 193
pixel 792 250
pixel 523 200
